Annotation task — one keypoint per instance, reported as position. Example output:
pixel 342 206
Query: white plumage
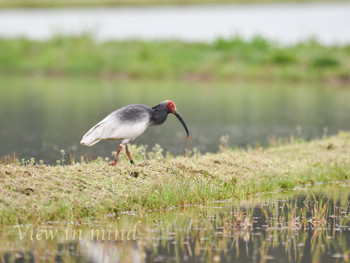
pixel 112 128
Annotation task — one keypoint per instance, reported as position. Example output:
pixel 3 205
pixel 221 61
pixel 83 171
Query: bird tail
pixel 88 141
pixel 89 138
pixel 101 131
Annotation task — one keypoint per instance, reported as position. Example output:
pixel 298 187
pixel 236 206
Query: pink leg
pixel 128 154
pixel 116 156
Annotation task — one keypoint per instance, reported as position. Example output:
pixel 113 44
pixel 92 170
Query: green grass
pixel 35 193
pixel 76 3
pixel 230 59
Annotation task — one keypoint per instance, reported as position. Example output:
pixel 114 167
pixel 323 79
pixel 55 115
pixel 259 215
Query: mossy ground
pixel 35 193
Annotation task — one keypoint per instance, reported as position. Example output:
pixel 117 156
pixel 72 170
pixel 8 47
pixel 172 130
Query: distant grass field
pixel 236 59
pixel 81 3
pixel 31 192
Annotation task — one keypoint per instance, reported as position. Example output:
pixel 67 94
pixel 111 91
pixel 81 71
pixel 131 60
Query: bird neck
pixel 159 115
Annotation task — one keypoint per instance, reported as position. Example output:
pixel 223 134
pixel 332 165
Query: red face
pixel 171 106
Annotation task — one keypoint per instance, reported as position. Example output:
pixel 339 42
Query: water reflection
pixel 295 226
pixel 39 116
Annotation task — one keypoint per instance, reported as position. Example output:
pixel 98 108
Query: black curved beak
pixel 177 114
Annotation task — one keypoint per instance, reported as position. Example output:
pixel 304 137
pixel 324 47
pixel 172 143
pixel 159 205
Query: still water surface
pixel 41 116
pixel 300 225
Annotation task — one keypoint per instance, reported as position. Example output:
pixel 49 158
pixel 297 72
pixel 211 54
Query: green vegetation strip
pixel 77 3
pixel 35 193
pixel 257 59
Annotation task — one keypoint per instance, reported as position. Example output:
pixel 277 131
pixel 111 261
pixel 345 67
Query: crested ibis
pixel 128 122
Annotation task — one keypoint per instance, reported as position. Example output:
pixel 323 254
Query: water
pixel 286 23
pixel 302 225
pixel 41 116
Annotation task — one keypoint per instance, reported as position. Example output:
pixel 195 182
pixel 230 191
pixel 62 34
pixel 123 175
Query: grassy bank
pixel 79 3
pixel 33 193
pixel 235 58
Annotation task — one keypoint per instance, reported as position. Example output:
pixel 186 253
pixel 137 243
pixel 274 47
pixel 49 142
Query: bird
pixel 129 122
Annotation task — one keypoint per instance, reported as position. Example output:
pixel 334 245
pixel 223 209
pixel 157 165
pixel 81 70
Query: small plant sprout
pixel 298 128
pixel 196 151
pixel 169 155
pixel 63 153
pixel 298 137
pixel 325 132
pixel 223 145
pixel 156 153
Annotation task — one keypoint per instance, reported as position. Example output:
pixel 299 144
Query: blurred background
pixel 254 71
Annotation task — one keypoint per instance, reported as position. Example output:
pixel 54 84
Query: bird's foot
pixel 113 164
pixel 132 162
